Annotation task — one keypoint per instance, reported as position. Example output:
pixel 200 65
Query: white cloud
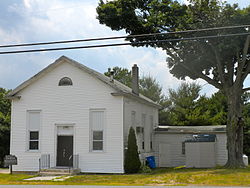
pixel 27 3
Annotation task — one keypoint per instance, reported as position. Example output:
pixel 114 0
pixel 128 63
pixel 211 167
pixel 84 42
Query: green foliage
pixel 148 86
pixel 132 162
pixel 5 108
pixel 122 75
pixel 145 169
pixel 187 105
pixel 217 106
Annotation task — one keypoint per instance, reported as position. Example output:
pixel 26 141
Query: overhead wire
pixel 123 44
pixel 120 37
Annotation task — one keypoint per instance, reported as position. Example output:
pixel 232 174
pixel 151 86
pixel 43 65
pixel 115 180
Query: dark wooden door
pixel 64 151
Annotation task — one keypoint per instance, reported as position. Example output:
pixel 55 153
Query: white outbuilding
pixel 190 146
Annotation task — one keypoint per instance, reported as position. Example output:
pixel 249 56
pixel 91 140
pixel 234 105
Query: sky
pixel 26 21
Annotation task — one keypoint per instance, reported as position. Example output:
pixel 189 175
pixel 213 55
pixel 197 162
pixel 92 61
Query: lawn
pixel 170 176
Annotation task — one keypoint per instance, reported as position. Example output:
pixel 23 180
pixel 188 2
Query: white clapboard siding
pixel 68 105
pixel 200 154
pixel 140 109
pixel 174 140
pixel 221 149
pixel 175 148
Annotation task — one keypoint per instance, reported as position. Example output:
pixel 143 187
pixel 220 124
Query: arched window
pixel 65 81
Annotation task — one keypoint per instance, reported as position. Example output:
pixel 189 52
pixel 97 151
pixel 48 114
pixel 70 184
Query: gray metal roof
pixel 120 88
pixel 191 129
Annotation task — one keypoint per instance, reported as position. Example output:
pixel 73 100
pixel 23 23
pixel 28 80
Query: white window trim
pixel 143 124
pixel 151 117
pixel 28 132
pixel 133 121
pixel 91 130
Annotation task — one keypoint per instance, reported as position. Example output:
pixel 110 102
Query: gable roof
pixel 121 89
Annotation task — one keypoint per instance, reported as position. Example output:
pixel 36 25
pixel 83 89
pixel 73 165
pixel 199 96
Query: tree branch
pixel 246 89
pixel 244 58
pixel 220 65
pixel 239 69
pixel 197 74
pixel 203 76
pixel 245 50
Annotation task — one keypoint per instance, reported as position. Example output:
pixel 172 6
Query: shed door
pixel 164 155
pixel 64 151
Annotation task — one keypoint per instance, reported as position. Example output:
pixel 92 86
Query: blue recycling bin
pixel 151 161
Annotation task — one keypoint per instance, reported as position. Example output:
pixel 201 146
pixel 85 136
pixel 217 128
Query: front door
pixel 64 151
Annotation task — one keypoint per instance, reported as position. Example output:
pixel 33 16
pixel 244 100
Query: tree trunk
pixel 234 128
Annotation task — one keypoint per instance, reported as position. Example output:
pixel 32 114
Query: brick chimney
pixel 135 79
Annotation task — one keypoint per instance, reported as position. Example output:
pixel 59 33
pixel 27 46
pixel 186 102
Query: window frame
pixel 91 135
pixel 29 129
pixel 151 131
pixel 133 119
pixel 63 79
pixel 97 140
pixel 143 125
pixel 33 140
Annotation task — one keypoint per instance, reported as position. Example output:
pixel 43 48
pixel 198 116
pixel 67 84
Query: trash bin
pixel 151 161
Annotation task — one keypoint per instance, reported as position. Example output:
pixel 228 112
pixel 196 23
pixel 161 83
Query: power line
pixel 122 44
pixel 120 37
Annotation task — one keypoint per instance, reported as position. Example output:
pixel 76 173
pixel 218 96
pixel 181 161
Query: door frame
pixel 71 133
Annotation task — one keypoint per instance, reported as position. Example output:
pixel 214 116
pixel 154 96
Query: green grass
pixel 13 179
pixel 163 176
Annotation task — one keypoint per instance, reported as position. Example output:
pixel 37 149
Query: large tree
pixel 223 62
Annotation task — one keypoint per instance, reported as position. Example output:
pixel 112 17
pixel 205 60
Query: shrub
pixel 132 162
pixel 145 169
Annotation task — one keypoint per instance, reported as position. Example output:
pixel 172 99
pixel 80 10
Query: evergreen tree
pixel 132 162
pixel 5 108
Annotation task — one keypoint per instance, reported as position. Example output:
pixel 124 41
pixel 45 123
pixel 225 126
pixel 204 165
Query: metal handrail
pixel 44 161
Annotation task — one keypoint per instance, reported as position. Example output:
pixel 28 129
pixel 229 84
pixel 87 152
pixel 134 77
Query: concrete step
pixel 59 171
